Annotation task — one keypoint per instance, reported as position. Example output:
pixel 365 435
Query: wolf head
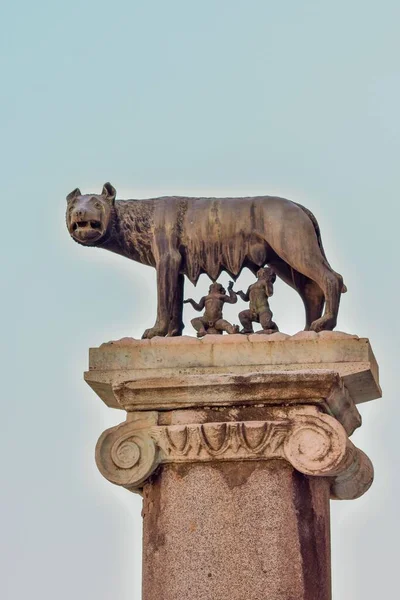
pixel 89 216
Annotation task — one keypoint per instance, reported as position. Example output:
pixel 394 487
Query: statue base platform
pixel 237 443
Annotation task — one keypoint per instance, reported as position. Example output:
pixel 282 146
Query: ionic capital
pixel 314 443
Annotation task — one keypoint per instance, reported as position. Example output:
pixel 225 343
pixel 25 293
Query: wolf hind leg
pixel 301 251
pixel 309 291
pixel 314 300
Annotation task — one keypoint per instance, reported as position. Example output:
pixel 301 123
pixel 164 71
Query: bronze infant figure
pixel 259 311
pixel 212 321
pixel 181 236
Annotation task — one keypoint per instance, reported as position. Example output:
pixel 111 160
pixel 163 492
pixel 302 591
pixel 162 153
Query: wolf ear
pixel 74 194
pixel 109 192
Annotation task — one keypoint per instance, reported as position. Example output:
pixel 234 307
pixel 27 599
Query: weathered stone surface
pixel 322 388
pixel 163 361
pixel 237 446
pixel 356 477
pixel 126 454
pixel 243 531
pixel 312 442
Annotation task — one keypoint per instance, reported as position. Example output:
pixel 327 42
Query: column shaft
pixel 246 530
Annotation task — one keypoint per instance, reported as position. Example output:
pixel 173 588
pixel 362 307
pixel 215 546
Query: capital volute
pixel 126 455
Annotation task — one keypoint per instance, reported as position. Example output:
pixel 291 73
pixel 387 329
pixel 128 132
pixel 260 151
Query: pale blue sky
pixel 299 99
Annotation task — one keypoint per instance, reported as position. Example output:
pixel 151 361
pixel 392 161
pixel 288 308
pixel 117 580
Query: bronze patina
pixel 212 322
pixel 181 236
pixel 259 310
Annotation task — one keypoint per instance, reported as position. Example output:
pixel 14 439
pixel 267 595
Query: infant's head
pixel 216 288
pixel 266 273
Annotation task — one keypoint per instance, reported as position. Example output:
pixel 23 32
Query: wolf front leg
pixel 176 324
pixel 168 281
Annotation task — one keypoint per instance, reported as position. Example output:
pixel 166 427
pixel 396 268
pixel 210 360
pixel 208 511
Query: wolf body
pixel 181 236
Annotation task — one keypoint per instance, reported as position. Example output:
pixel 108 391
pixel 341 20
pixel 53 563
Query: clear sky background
pixel 218 97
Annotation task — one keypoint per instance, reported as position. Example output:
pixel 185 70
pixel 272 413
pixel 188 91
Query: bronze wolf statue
pixel 189 236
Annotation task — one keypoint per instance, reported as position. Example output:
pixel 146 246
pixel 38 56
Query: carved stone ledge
pixel 322 388
pixel 161 369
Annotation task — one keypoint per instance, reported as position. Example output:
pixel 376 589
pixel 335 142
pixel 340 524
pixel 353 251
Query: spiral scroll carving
pixel 316 445
pixel 126 455
pixel 356 478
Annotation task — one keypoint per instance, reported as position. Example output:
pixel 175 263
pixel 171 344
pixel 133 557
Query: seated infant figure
pixel 212 321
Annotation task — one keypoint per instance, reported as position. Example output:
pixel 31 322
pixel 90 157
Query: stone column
pixel 237 444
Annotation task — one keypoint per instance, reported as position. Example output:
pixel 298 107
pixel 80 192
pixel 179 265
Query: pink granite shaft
pixel 236 531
